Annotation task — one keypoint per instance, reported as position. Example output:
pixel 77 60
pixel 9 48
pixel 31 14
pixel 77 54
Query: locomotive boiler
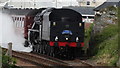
pixel 57 32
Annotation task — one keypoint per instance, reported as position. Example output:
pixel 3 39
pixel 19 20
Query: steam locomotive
pixel 57 32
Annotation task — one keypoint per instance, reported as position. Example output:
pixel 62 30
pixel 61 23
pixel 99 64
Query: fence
pixel 18 21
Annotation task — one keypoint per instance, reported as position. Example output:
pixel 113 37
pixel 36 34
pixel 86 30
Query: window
pixel 90 17
pixel 88 2
pixel 84 17
pixel 94 1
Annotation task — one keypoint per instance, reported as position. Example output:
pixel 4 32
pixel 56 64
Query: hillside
pixel 105 37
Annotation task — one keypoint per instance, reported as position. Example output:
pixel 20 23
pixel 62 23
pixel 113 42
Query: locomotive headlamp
pixel 56 38
pixel 80 24
pixel 54 23
pixel 77 39
pixel 66 38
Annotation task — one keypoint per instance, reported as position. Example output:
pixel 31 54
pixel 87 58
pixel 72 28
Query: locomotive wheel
pixel 52 52
pixel 48 50
pixel 65 53
pixel 43 48
pixel 40 49
pixel 56 52
pixel 70 53
pixel 37 48
pixel 33 48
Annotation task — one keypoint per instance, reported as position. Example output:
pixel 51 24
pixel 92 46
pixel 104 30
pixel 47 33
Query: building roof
pixel 17 11
pixel 107 4
pixel 83 10
pixel 119 4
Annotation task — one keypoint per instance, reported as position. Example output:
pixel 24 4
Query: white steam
pixel 8 33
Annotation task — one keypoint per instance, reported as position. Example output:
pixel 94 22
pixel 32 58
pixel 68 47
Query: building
pixel 41 3
pixel 19 8
pixel 90 3
pixel 52 3
pixel 107 4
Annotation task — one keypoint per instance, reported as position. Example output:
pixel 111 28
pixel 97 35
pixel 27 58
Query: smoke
pixel 8 33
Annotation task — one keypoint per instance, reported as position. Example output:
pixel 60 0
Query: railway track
pixel 43 61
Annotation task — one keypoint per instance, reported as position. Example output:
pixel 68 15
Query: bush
pixel 106 33
pixel 8 62
pixel 106 45
pixel 87 36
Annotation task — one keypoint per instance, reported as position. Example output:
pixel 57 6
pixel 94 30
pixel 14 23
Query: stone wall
pixel 108 16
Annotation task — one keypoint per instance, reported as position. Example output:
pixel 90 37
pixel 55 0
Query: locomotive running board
pixel 33 30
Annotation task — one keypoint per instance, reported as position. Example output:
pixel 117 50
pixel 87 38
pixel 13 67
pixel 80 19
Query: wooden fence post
pixel 10 49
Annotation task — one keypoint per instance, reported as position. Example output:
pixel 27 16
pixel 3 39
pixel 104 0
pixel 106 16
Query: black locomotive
pixel 55 32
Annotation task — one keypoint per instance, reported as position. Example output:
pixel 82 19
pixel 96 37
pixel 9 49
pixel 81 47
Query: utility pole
pixel 9 52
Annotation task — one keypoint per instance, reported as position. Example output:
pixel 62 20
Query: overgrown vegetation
pixel 108 52
pixel 118 63
pixel 106 42
pixel 88 35
pixel 106 33
pixel 8 62
pixel 119 24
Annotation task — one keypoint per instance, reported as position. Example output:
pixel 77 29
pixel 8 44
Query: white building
pixel 41 3
pixel 91 3
pixel 52 3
